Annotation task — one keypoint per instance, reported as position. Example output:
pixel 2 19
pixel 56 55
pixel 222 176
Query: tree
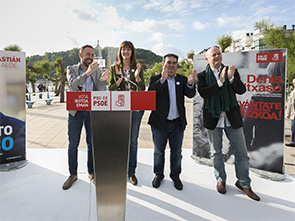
pixel 224 41
pixel 60 77
pixel 264 25
pixel 157 69
pixel 39 68
pixel 190 55
pixel 13 47
pixel 185 67
pixel 278 37
pixel 30 75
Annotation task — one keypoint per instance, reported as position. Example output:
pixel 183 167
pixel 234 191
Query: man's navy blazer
pixel 234 115
pixel 158 117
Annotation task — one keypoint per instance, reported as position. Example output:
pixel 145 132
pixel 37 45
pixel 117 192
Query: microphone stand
pixel 126 79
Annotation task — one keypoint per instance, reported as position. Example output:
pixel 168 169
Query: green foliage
pixel 190 55
pixel 143 56
pixel 185 67
pixel 142 62
pixel 156 69
pixel 59 78
pixel 38 69
pixel 111 52
pixel 69 57
pixel 42 67
pixel 263 25
pixel 147 56
pixel 12 47
pixel 224 41
pixel 30 76
pixel 277 37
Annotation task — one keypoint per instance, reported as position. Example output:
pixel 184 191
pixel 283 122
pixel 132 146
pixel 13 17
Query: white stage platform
pixel 34 192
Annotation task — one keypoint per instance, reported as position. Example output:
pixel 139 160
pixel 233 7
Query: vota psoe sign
pixel 111 100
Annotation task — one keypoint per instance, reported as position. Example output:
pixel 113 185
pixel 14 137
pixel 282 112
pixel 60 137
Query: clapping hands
pixel 191 78
pixel 119 74
pixel 230 73
pixel 92 67
pixel 105 75
pixel 136 75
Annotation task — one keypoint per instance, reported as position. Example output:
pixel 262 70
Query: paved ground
pixel 37 192
pixel 46 127
pixel 34 193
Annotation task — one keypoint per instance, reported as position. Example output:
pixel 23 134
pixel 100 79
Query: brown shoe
pixel 248 192
pixel 133 179
pixel 220 186
pixel 91 177
pixel 69 182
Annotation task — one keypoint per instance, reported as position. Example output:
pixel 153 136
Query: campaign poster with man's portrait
pixel 12 106
pixel 262 108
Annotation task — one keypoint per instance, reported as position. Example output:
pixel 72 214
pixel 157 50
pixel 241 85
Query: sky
pixel 162 26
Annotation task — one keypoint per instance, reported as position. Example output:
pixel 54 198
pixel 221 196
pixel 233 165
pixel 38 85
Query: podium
pixel 110 126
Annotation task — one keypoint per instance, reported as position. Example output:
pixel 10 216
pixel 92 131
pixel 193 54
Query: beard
pixel 87 62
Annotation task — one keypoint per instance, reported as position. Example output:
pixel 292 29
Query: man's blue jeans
pixel 75 125
pixel 135 126
pixel 238 147
pixel 293 131
pixel 172 131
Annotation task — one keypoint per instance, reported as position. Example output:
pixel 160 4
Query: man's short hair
pixel 170 55
pixel 85 46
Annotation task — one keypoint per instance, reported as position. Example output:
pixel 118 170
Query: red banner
pixel 111 100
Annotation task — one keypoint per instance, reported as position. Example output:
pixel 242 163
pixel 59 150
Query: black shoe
pixel 178 184
pixel 133 179
pixel 157 181
pixel 290 145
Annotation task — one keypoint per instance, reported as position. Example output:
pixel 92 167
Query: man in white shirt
pixel 290 112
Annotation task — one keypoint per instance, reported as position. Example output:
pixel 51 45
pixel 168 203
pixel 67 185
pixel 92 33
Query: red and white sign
pixel 79 100
pixel 276 56
pixel 101 100
pixel 120 100
pixel 269 57
pixel 262 57
pixel 111 100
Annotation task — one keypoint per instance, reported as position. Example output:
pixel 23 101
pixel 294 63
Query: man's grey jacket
pixel 77 80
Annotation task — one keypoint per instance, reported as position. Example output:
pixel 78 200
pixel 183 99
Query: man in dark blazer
pixel 218 85
pixel 168 121
pixel 13 139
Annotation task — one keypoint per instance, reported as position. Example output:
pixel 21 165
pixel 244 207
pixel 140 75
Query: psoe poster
pixel 12 107
pixel 262 108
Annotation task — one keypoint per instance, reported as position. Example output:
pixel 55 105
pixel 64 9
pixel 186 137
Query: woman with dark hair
pixel 127 75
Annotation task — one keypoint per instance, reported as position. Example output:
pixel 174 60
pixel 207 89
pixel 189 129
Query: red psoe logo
pixel 276 56
pixel 121 100
pixel 269 57
pixel 100 101
pixel 261 57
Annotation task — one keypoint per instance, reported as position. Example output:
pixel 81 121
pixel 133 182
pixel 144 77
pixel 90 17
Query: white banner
pixel 12 106
pixel 262 106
